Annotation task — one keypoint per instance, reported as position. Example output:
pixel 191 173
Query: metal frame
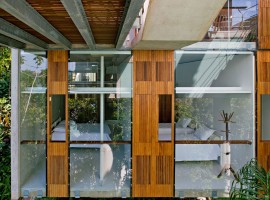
pixel 28 15
pixel 77 14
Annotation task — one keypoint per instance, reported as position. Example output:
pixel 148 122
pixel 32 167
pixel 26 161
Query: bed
pixel 87 132
pixel 191 152
pixel 81 132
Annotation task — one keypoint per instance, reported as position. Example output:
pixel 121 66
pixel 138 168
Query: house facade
pixel 139 98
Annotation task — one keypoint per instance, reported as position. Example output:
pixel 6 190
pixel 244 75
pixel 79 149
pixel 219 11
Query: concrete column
pixel 15 125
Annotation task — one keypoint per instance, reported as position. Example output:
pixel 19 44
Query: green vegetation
pixel 5 109
pixel 253 182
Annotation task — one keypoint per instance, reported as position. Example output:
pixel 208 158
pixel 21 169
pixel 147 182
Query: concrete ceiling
pixel 103 24
pixel 173 24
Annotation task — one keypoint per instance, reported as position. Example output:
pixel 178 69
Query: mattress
pixel 84 132
pixel 165 130
pixel 189 152
pixel 195 152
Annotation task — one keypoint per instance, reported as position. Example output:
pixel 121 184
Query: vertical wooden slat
pixel 263 78
pixel 57 152
pixel 153 77
pixel 263 24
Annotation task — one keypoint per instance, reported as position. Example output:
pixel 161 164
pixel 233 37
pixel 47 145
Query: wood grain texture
pixel 153 83
pixel 57 152
pixel 263 24
pixel 263 87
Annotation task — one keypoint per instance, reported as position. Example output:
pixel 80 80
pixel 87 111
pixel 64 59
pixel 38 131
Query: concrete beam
pixel 16 33
pixel 28 15
pixel 15 125
pixel 132 12
pixel 178 22
pixel 76 12
pixel 9 42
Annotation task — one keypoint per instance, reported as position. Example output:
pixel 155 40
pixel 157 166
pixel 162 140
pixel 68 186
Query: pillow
pixel 183 122
pixel 203 132
pixel 60 128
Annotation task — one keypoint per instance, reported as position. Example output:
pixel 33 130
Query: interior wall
pixel 214 70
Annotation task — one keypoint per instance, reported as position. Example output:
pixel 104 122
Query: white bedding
pixel 188 152
pixel 84 132
pixel 196 152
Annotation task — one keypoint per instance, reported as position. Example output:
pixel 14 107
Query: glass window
pixel 235 27
pixel 199 168
pixel 265 107
pixel 100 102
pixel 209 85
pixel 33 85
pixel 100 171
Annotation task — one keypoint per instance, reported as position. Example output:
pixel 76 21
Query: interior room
pixel 209 86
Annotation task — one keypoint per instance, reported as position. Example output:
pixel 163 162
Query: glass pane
pixel 100 171
pixel 165 117
pixel 84 74
pixel 265 109
pixel 198 168
pixel 58 118
pixel 208 84
pixel 33 85
pixel 200 118
pixel 235 27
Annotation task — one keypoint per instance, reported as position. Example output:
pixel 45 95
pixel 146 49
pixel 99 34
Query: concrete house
pixel 131 98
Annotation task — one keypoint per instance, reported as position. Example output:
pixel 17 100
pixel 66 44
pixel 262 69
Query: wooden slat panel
pixel 164 170
pixel 57 175
pixel 142 118
pixel 143 166
pixel 57 72
pixel 163 71
pixel 263 77
pixel 106 13
pixel 55 13
pixel 57 152
pixel 143 71
pixel 13 20
pixel 153 82
pixel 263 24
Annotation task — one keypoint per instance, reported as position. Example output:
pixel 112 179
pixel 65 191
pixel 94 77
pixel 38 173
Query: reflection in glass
pixel 198 165
pixel 165 117
pixel 33 98
pixel 265 117
pixel 85 124
pixel 58 118
pixel 100 171
pixel 198 118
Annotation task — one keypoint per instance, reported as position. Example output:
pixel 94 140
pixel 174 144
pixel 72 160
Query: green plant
pixel 5 169
pixel 5 63
pixel 252 182
pixel 83 110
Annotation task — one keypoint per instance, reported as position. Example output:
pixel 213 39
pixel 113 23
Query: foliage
pixel 83 110
pixel 120 111
pixel 33 106
pixel 198 109
pixel 253 182
pixel 4 169
pixel 5 109
pixel 5 63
